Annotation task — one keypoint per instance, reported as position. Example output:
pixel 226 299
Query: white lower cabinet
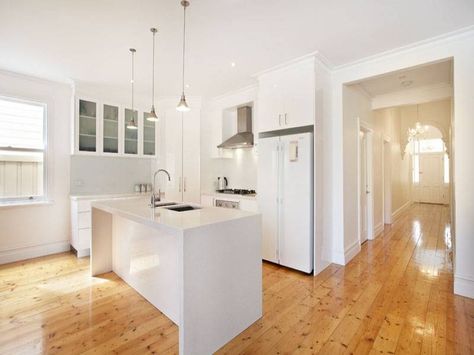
pixel 81 226
pixel 81 221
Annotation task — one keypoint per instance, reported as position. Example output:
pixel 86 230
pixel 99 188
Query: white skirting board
pixel 378 229
pixel 12 255
pixel 463 286
pixel 352 251
pixel 344 258
pixel 396 214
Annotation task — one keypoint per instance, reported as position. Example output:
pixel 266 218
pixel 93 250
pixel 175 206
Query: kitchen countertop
pixel 138 210
pixel 231 196
pixel 108 196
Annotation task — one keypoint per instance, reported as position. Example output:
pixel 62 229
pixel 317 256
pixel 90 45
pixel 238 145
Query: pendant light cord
pixel 184 40
pixel 153 74
pixel 133 82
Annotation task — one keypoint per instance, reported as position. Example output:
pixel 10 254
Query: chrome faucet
pixel 157 197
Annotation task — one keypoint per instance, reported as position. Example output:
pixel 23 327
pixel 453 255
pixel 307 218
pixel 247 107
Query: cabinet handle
pixel 184 184
pixel 285 118
pixel 279 119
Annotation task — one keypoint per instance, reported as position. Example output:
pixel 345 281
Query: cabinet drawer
pixel 84 238
pixel 84 220
pixel 83 206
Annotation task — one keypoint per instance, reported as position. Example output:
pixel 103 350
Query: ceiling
pixel 411 78
pixel 88 40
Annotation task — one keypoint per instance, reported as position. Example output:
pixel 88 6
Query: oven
pixel 219 202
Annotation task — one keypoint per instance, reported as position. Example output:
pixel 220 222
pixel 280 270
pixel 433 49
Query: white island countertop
pixel 201 268
pixel 138 209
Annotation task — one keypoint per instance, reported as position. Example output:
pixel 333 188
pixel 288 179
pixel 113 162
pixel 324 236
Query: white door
pixel 268 167
pixel 191 182
pixel 363 188
pixel 270 102
pixel 173 156
pixel 431 185
pixel 299 97
pixel 296 202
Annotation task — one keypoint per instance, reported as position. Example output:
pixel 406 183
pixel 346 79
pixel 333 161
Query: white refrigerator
pixel 285 198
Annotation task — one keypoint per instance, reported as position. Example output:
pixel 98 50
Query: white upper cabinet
pixel 101 129
pixel 286 97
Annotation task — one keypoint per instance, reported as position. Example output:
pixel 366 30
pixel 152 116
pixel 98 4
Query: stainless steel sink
pixel 163 204
pixel 182 208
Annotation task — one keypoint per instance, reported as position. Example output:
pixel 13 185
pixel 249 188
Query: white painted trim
pixel 338 257
pixel 437 40
pixel 396 214
pixel 351 251
pixel 378 229
pixel 12 255
pixel 463 286
pixel 342 258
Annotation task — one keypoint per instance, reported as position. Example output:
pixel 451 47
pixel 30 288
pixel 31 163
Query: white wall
pixel 389 123
pixel 240 165
pixel 460 47
pixel 104 175
pixel 357 107
pixel 29 231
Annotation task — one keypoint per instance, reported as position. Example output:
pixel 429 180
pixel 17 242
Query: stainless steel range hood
pixel 244 136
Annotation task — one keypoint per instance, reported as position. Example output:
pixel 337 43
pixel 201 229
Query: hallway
pixel 394 297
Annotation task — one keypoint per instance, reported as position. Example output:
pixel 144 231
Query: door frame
pixel 387 180
pixel 368 131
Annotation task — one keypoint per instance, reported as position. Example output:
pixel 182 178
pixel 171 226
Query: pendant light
pixel 182 105
pixel 153 117
pixel 132 124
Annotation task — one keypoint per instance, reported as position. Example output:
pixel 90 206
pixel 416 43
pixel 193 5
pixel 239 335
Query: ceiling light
pixel 182 105
pixel 153 117
pixel 232 64
pixel 132 124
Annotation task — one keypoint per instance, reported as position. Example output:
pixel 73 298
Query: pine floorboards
pixel 395 297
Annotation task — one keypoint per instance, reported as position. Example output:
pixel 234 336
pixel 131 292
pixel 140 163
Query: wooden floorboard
pixel 395 297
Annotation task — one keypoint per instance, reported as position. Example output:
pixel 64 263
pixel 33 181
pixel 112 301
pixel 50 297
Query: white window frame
pixel 31 199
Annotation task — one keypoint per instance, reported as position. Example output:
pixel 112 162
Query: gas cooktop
pixel 237 192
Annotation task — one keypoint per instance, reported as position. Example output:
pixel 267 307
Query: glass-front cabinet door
pixel 87 126
pixel 149 137
pixel 111 131
pixel 131 135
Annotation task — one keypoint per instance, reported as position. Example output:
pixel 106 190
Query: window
pixel 431 145
pixel 22 150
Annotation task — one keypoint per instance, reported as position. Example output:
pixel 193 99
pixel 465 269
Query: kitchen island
pixel 200 267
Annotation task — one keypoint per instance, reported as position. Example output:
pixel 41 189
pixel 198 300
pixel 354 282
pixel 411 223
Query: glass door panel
pixel 148 135
pixel 111 129
pixel 87 126
pixel 131 135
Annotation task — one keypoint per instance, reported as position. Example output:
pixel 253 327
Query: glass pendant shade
pixel 132 125
pixel 182 105
pixel 153 117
